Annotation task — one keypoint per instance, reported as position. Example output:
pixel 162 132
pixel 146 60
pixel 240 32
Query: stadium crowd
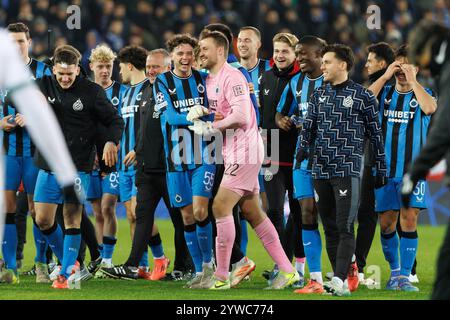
pixel 150 23
pixel 339 91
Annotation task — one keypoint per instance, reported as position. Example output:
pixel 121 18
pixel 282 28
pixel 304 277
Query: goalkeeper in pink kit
pixel 243 152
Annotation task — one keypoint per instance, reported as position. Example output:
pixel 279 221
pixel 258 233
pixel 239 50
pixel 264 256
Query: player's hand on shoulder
pixel 20 120
pixel 8 123
pixel 110 156
pixel 196 112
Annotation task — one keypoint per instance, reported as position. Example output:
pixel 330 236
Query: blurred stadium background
pixel 150 23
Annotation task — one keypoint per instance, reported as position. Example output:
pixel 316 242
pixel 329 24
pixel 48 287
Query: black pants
pixel 338 206
pixel 151 187
pixel 291 235
pixel 236 253
pixel 367 219
pixel 441 289
pixel 21 223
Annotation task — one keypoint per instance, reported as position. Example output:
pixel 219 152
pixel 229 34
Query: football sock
pixel 144 260
pixel 155 244
pixel 72 242
pixel 408 250
pixel 192 243
pixel 313 247
pixel 300 265
pixel 40 244
pixel 109 244
pixel 244 236
pixel 9 245
pixel 389 243
pixel 204 236
pixel 100 249
pixel 269 237
pixel 226 234
pixel 55 240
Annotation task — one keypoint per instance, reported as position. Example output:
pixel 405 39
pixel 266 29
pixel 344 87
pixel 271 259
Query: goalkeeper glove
pixel 408 185
pixel 203 128
pixel 196 112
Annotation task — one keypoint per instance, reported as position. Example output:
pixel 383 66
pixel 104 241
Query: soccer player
pixel 132 71
pixel 248 44
pixel 405 113
pixel 150 180
pixel 189 180
pixel 19 164
pixel 41 124
pixel 241 266
pixel 339 115
pixel 228 96
pixel 80 105
pixel 293 106
pixel 104 181
pixel 380 56
pixel 273 82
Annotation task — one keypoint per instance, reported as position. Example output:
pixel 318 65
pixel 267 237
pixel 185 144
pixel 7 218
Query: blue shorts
pixel 20 169
pixel 184 185
pixel 261 182
pixel 95 186
pixel 99 185
pixel 127 185
pixel 388 197
pixel 303 184
pixel 49 191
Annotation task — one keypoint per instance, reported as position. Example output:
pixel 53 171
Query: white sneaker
pixel 369 282
pixel 55 273
pixel 82 275
pixel 329 275
pixel 413 278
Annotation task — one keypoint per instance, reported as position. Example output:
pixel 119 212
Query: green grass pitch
pixel 430 239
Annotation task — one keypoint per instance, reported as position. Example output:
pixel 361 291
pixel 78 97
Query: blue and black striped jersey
pixel 338 119
pixel 17 142
pixel 174 97
pixel 115 93
pixel 256 73
pixel 404 126
pixel 294 102
pixel 129 111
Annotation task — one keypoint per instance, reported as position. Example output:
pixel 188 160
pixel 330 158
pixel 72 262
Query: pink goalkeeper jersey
pixel 228 94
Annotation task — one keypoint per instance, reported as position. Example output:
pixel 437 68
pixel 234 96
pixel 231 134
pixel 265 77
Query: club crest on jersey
pixel 348 102
pixel 201 88
pixel 115 101
pixel 77 105
pixel 159 98
pixel 268 176
pixel 178 198
pixel 413 103
pixel 172 91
